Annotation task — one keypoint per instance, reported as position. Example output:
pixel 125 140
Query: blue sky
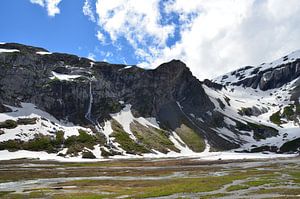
pixel 211 36
pixel 69 31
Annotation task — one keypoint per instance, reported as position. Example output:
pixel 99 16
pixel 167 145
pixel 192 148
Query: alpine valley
pixel 60 106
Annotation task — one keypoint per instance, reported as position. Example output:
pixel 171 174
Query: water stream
pixel 88 113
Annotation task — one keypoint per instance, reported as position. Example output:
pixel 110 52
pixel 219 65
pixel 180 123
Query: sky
pixel 211 36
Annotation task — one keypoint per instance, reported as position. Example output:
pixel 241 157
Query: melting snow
pixel 43 53
pixel 45 124
pixel 2 50
pixel 64 76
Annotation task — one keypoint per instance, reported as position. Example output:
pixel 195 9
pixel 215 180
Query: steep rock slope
pixel 72 106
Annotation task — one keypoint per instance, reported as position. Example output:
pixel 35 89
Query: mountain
pixel 75 107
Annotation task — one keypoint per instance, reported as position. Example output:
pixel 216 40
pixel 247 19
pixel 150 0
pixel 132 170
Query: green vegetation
pixel 88 155
pixel 237 187
pixel 126 143
pixel 275 118
pixel 26 121
pixel 105 153
pixel 53 144
pixel 76 144
pixel 288 112
pixel 39 143
pixel 280 178
pixel 60 137
pixel 153 138
pixel 11 124
pixel 8 124
pixel 259 182
pixel 193 140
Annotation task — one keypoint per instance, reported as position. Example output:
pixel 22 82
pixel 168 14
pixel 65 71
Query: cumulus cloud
pixel 135 20
pixel 87 10
pixel 214 36
pixel 50 5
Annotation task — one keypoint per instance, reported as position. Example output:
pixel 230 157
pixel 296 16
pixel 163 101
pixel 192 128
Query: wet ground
pixel 151 178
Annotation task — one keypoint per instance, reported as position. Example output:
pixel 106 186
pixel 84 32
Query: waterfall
pixel 88 113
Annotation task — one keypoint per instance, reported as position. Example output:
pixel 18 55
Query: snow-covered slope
pixel 266 96
pixel 40 124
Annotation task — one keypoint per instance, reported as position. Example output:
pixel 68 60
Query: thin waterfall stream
pixel 88 113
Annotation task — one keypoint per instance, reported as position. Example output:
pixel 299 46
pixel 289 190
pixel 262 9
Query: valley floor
pixel 151 178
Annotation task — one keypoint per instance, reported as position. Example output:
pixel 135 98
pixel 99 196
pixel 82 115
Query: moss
pixel 275 118
pixel 8 124
pixel 194 141
pixel 153 138
pixel 126 143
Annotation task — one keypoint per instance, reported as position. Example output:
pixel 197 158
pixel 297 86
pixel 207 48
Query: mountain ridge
pixel 121 110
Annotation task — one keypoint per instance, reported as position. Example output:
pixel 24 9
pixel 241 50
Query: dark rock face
pixel 269 78
pixel 102 87
pixel 211 84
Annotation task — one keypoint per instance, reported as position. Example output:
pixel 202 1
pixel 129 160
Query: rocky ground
pixel 151 178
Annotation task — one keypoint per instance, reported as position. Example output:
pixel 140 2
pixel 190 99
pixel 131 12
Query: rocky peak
pixel 265 76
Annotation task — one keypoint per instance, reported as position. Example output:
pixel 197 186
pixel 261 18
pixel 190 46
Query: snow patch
pixel 64 77
pixel 2 50
pixel 43 53
pixel 46 124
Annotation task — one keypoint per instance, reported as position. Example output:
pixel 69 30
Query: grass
pixel 153 138
pixel 197 179
pixel 194 141
pixel 288 111
pixel 126 143
pixel 275 118
pixel 259 182
pixel 296 176
pixel 8 124
pixel 283 191
pixel 237 187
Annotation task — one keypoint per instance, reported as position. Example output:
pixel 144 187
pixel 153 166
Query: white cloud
pixel 87 10
pixel 100 36
pixel 216 36
pixel 91 56
pixel 39 2
pixel 135 20
pixel 50 5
